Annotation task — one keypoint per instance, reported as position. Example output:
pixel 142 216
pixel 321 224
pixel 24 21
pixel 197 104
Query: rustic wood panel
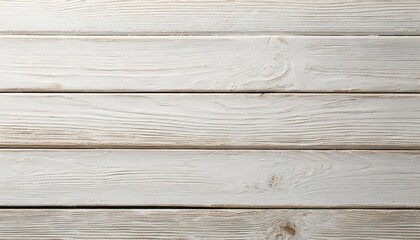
pixel 210 178
pixel 319 121
pixel 197 64
pixel 209 224
pixel 211 17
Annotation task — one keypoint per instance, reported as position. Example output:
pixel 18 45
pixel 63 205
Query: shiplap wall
pixel 284 119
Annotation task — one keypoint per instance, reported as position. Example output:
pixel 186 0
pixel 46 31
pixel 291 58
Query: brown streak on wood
pixel 282 40
pixel 275 182
pixel 55 86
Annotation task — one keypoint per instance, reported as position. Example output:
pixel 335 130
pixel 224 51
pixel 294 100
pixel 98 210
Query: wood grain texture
pixel 206 64
pixel 211 17
pixel 209 178
pixel 273 121
pixel 209 224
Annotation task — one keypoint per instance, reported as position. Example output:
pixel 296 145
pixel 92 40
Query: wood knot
pixel 274 182
pixel 284 230
pixel 289 229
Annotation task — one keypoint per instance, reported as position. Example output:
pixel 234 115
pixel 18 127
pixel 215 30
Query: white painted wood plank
pixel 319 121
pixel 211 17
pixel 209 224
pixel 197 64
pixel 209 178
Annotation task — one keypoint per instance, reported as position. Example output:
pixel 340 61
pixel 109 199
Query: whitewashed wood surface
pixel 209 224
pixel 331 17
pixel 244 119
pixel 206 64
pixel 211 178
pixel 316 121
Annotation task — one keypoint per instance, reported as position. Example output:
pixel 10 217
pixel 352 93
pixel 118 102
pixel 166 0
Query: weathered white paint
pixel 209 224
pixel 319 121
pixel 251 56
pixel 197 64
pixel 211 17
pixel 209 178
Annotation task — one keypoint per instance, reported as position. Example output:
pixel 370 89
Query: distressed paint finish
pixel 208 17
pixel 274 121
pixel 209 224
pixel 210 178
pixel 327 90
pixel 208 64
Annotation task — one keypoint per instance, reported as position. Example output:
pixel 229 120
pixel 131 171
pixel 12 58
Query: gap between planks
pixel 199 34
pixel 61 147
pixel 19 91
pixel 203 36
pixel 211 148
pixel 262 93
pixel 192 207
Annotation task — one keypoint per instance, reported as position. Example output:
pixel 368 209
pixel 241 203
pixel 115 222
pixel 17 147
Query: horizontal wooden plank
pixel 273 121
pixel 208 64
pixel 210 178
pixel 209 224
pixel 212 17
